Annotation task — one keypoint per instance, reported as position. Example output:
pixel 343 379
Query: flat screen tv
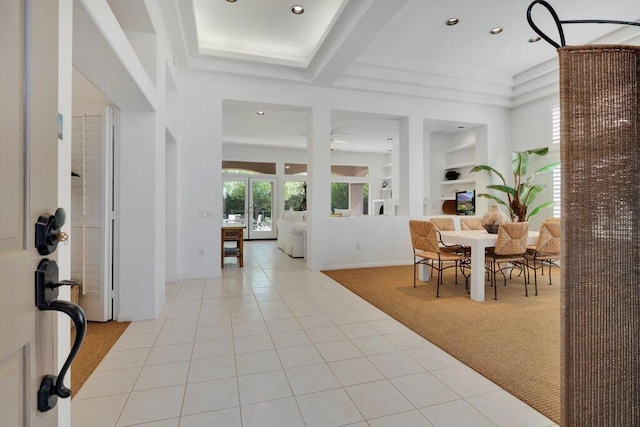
pixel 466 202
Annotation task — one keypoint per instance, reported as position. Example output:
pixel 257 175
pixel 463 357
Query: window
pixel 295 194
pixel 555 138
pixel 555 125
pixel 556 192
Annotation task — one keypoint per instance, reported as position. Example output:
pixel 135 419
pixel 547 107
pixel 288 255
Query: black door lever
pixel 47 284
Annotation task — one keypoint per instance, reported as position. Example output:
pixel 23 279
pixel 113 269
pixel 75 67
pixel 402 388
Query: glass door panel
pixel 234 198
pixel 261 208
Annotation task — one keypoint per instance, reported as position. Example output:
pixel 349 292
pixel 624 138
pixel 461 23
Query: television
pixel 466 202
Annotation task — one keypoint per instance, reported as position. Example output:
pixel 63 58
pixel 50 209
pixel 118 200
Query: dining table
pixel 478 241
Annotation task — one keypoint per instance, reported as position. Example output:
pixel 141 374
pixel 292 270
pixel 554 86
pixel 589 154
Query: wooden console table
pixel 232 233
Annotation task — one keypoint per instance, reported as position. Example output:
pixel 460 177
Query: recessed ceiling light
pixel 390 139
pixel 496 30
pixel 534 39
pixel 460 127
pixel 260 113
pixel 452 21
pixel 297 10
pixel 231 1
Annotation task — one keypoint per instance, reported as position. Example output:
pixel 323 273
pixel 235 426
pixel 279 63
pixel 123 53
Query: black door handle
pixel 47 284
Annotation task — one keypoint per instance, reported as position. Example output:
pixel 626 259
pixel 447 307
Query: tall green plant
pixel 524 192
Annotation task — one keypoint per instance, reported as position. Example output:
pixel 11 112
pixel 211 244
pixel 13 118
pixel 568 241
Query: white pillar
pixel 411 167
pixel 319 189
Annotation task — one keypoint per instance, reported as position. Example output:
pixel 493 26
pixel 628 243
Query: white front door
pixel 28 189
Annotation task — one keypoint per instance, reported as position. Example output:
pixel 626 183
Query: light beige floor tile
pixel 213 368
pixel 182 336
pixel 338 350
pixel 250 328
pixel 152 405
pixel 222 418
pixel 213 333
pixel 433 358
pixel 409 340
pixel 355 371
pixel 325 334
pixel 98 412
pixel 396 364
pixel 213 348
pixel 169 354
pixel 299 356
pixel 458 413
pixel 290 339
pixel 177 324
pixel 135 341
pixel 374 345
pixel 358 330
pixel 165 375
pixel 318 321
pixel 388 326
pixel 254 363
pixel 115 360
pixel 465 381
pixel 274 413
pixel 505 410
pixel 378 399
pixel 310 379
pixel 282 325
pixel 424 389
pixel 109 382
pixel 264 386
pixel 405 419
pixel 328 408
pixel 210 396
pixel 253 343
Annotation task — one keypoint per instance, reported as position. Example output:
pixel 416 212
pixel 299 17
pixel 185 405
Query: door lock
pixel 48 233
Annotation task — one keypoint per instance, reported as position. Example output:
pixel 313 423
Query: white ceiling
pixel 356 43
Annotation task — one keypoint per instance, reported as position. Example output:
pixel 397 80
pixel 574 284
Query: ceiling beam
pixel 359 25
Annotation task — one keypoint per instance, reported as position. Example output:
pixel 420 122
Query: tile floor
pixel 272 344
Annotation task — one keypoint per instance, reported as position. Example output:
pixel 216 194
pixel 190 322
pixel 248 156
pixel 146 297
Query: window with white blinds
pixel 555 138
pixel 556 192
pixel 555 125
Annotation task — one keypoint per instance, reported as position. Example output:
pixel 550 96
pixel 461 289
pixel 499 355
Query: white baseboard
pixel 363 265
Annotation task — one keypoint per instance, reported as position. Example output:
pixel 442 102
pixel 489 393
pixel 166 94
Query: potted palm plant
pixel 524 191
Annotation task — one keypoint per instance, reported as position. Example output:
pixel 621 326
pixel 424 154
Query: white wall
pixel 201 97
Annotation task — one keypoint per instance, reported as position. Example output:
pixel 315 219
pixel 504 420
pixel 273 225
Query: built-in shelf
pixel 447 198
pixel 460 165
pixel 458 181
pixel 388 165
pixel 461 147
pixel 387 178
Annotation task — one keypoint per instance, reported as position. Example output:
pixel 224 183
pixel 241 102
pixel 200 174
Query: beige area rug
pixel 99 339
pixel 514 341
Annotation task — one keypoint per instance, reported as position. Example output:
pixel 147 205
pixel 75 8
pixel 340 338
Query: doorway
pixel 250 201
pixel 94 133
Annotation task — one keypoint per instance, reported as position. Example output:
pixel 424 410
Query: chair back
pixel 549 238
pixel 444 224
pixel 423 236
pixel 471 224
pixel 512 238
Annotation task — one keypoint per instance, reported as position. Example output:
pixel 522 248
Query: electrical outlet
pixel 201 252
pixel 358 246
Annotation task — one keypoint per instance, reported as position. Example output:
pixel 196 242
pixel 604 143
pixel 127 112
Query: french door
pixel 250 201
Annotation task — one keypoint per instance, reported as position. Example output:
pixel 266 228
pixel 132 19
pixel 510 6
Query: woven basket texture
pixel 600 159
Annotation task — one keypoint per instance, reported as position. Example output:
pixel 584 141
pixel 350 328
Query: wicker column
pixel 600 154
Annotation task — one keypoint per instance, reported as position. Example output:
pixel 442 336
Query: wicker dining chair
pixel 511 246
pixel 546 250
pixel 471 224
pixel 426 250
